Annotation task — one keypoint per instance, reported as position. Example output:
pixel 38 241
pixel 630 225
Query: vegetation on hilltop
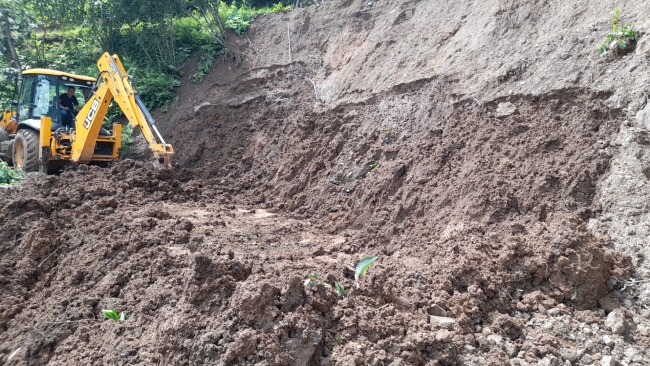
pixel 152 37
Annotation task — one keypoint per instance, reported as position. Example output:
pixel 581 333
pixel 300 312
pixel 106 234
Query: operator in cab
pixel 69 106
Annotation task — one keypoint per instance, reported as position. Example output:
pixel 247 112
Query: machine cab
pixel 39 96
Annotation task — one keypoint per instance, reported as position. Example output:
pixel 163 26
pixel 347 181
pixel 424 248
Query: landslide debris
pixel 476 185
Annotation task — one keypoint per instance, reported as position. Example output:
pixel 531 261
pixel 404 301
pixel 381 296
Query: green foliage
pixel 621 36
pixel 191 35
pixel 9 175
pixel 340 291
pixel 112 314
pixel 280 7
pixel 156 89
pixel 127 138
pixel 237 18
pixel 240 18
pixel 373 165
pixel 7 84
pixel 208 54
pixel 260 4
pixel 152 37
pixel 362 267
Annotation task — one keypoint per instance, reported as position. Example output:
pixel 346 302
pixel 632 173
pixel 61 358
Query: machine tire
pixel 26 151
pixel 3 135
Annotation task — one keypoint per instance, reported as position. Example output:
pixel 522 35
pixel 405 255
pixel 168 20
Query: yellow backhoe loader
pixel 34 134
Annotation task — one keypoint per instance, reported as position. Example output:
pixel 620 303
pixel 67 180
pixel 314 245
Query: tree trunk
pixel 6 29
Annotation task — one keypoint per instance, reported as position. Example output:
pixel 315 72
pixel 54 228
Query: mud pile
pixel 472 178
pixel 472 228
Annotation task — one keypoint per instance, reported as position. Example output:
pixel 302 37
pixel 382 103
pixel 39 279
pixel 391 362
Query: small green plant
pixel 340 291
pixel 362 267
pixel 338 340
pixel 9 175
pixel 621 36
pixel 373 165
pixel 314 279
pixel 112 314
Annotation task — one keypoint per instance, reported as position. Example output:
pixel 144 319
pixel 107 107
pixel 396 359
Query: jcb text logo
pixel 91 114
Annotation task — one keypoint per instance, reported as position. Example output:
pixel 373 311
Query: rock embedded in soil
pixel 568 355
pixel 443 335
pixel 505 109
pixel 607 361
pixel 442 321
pixel 616 322
pixel 495 338
pixel 437 310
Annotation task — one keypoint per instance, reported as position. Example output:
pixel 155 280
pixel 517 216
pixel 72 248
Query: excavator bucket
pixel 162 163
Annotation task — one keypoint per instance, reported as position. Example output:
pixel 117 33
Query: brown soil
pixel 477 207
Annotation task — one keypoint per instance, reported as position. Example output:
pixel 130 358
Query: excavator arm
pixel 114 83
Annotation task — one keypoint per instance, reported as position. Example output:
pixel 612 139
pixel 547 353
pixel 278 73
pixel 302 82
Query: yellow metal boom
pixel 114 83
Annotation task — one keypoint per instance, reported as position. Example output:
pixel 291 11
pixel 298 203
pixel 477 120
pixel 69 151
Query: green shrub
pixel 240 18
pixel 236 18
pixel 190 35
pixel 9 175
pixel 152 50
pixel 208 53
pixel 156 88
pixel 127 138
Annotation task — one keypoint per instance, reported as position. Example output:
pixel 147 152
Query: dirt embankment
pixel 471 168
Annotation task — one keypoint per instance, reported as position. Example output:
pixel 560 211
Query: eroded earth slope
pixel 475 148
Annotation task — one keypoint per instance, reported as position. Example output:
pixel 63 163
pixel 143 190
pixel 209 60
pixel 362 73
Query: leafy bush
pixel 155 88
pixel 9 175
pixel 127 138
pixel 240 18
pixel 153 43
pixel 260 4
pixel 621 37
pixel 191 35
pixel 237 18
pixel 208 54
pixel 280 7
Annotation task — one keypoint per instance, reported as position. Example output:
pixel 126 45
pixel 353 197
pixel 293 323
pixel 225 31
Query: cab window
pixel 44 98
pixel 25 97
pixel 81 98
pixel 80 92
